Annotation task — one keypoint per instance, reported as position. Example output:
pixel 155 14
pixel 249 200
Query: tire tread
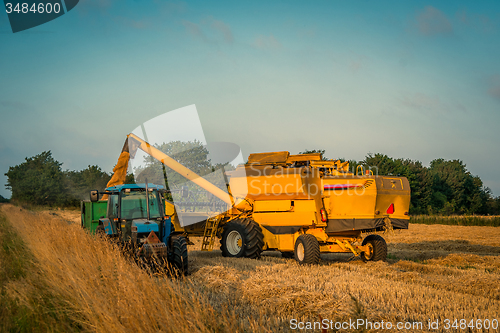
pixel 252 234
pixel 178 256
pixel 311 249
pixel 379 247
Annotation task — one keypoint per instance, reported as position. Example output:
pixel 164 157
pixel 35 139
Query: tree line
pixel 40 180
pixel 445 187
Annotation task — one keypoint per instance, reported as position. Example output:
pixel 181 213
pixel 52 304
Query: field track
pixel 434 272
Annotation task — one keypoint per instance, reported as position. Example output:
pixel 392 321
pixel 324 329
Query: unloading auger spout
pixel 129 150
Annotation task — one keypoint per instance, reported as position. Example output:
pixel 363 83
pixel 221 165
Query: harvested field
pixel 434 272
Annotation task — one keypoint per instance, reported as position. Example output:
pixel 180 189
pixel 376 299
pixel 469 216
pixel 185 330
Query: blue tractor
pixel 134 215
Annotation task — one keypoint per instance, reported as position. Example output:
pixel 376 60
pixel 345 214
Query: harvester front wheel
pixel 378 248
pixel 242 238
pixel 307 249
pixel 178 254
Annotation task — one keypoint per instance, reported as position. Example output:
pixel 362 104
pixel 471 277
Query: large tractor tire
pixel 378 248
pixel 178 254
pixel 242 238
pixel 100 230
pixel 307 249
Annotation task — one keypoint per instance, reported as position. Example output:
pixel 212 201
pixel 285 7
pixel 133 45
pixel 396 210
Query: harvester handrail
pixel 181 169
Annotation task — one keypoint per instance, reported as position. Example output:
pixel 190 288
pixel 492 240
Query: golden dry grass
pixel 433 272
pixel 105 292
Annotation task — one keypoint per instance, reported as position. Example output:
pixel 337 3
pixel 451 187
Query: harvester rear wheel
pixel 242 238
pixel 307 249
pixel 178 254
pixel 378 248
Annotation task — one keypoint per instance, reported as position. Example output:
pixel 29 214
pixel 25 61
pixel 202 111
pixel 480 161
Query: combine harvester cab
pixel 134 215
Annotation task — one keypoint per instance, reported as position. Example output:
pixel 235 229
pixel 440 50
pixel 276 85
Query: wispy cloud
pixel 430 105
pixel 267 42
pixel 167 8
pixel 480 22
pixel 210 30
pixel 223 29
pixel 194 30
pixel 431 21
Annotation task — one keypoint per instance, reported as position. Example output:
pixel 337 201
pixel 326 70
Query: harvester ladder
pixel 210 232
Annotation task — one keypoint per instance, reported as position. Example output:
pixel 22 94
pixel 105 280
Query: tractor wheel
pixel 100 230
pixel 378 248
pixel 178 254
pixel 242 238
pixel 307 249
pixel 287 255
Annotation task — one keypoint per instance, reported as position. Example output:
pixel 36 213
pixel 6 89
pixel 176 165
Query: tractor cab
pixel 134 211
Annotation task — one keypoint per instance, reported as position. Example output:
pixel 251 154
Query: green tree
pixel 129 179
pixel 79 183
pixel 381 164
pixel 2 199
pixel 420 180
pixel 39 181
pixel 455 190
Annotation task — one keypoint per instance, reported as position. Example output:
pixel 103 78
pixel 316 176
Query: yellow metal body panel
pixel 302 213
pixel 358 201
pixel 393 190
pixel 271 158
pixel 369 195
pixel 268 187
pixel 272 206
pixel 271 241
pixel 286 242
pixel 169 208
pixel 285 218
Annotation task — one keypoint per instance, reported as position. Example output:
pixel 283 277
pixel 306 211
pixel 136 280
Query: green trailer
pixel 91 212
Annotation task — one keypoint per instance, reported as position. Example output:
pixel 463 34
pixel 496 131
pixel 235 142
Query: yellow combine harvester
pixel 299 205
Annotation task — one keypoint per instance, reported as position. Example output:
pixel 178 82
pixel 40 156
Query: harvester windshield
pixel 134 205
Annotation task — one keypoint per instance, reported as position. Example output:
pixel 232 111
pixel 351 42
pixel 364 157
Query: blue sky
pixel 418 80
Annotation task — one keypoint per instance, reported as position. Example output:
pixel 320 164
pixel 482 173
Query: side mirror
pixel 185 191
pixel 94 195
